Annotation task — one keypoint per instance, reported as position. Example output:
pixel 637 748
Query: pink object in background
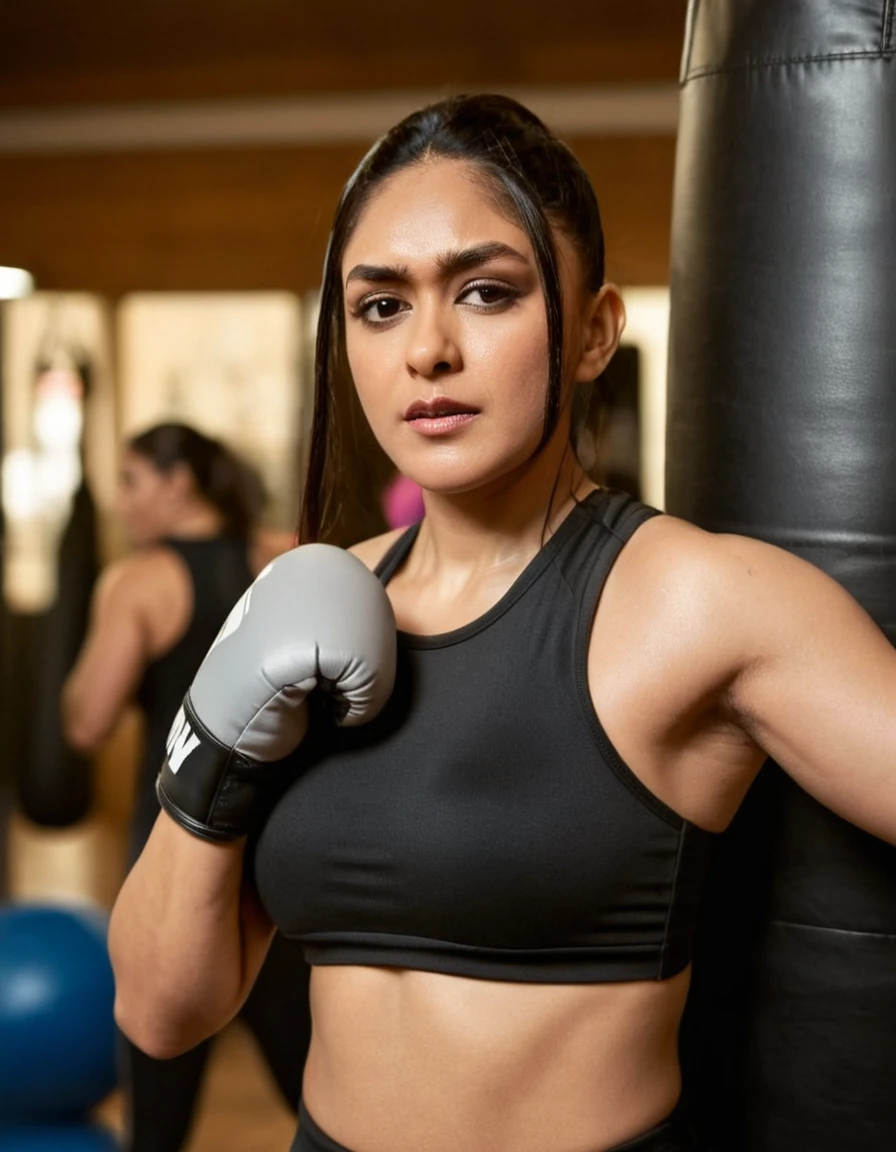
pixel 402 502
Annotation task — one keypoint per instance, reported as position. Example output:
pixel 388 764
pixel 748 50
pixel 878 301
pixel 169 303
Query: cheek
pixel 505 363
pixel 510 357
pixel 375 370
pixel 140 507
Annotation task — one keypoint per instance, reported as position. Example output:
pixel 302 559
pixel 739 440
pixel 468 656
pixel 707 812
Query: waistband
pixel 670 1136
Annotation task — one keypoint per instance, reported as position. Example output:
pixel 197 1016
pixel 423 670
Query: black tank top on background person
pixel 483 824
pixel 219 574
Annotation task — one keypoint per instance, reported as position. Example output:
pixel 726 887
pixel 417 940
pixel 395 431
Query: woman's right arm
pixel 187 938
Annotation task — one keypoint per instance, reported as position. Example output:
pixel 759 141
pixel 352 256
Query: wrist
pixel 206 787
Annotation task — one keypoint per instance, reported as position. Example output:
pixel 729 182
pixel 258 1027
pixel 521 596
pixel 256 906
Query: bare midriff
pixel 406 1059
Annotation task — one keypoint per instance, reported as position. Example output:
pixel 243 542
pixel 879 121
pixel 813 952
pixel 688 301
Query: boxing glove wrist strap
pixel 208 788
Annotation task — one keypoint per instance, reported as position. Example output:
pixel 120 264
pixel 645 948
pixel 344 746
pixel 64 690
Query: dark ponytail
pixel 532 174
pixel 225 480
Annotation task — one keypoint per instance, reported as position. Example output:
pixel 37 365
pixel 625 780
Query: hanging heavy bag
pixel 54 781
pixel 782 425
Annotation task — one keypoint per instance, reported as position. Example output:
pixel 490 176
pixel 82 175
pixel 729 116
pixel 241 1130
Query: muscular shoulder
pixel 713 595
pixel 373 550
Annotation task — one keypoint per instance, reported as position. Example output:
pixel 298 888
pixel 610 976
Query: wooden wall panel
pixel 633 180
pixel 52 51
pixel 258 218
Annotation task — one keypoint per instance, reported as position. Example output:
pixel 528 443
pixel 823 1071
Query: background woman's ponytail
pixel 222 477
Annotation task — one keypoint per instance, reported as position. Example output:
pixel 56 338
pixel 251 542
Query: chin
pixel 455 484
pixel 460 476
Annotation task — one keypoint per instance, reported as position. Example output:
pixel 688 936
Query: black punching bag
pixel 55 781
pixel 782 425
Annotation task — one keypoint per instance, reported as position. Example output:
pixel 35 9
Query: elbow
pixel 160 1016
pixel 82 740
pixel 81 733
pixel 152 1033
pixel 141 1033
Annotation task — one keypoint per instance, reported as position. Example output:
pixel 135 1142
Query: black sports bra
pixel 483 824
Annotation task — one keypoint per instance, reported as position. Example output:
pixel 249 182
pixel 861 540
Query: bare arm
pixel 187 939
pixel 111 660
pixel 815 685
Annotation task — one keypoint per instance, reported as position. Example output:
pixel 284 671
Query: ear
pixel 603 323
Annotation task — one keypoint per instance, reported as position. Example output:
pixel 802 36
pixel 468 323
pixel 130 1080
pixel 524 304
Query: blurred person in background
pixel 190 508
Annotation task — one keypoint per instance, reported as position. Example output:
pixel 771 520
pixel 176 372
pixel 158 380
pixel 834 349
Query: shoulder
pixel 719 565
pixel 373 550
pixel 674 558
pixel 138 580
pixel 729 590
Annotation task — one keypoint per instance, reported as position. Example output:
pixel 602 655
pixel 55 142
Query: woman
pixel 496 879
pixel 189 506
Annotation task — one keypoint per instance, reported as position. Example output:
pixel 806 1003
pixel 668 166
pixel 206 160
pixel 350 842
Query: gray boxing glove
pixel 316 617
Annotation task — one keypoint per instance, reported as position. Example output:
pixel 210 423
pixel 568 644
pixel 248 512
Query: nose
pixel 433 346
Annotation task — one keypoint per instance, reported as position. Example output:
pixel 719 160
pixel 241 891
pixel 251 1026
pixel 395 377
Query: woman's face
pixel 446 330
pixel 148 500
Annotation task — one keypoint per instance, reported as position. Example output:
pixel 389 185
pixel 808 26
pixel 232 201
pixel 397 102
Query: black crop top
pixel 483 824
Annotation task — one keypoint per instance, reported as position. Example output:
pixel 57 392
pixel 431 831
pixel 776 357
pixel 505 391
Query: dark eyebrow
pixel 377 273
pixel 449 264
pixel 453 262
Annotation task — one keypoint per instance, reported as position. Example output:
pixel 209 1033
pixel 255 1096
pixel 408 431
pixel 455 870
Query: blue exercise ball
pixel 57 1032
pixel 56 1138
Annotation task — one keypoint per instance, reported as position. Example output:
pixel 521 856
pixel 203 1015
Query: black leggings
pixel 161 1095
pixel 670 1136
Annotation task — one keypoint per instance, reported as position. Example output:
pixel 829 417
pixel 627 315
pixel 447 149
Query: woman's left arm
pixel 815 685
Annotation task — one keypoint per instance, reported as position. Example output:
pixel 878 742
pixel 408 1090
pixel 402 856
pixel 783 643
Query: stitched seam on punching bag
pixel 833 931
pixel 689 35
pixel 755 66
pixel 886 44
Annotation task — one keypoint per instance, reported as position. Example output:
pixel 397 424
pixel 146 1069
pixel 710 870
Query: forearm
pixel 186 940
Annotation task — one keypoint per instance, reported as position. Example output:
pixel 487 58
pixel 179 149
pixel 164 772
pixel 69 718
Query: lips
pixel 437 409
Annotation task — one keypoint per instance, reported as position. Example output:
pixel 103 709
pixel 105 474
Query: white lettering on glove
pixel 182 740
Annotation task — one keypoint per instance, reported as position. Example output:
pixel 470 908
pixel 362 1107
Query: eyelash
pixel 507 297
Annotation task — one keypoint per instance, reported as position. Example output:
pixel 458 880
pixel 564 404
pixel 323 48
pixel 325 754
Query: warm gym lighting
pixel 15 283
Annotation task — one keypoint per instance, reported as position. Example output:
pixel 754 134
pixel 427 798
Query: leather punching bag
pixel 782 425
pixel 55 782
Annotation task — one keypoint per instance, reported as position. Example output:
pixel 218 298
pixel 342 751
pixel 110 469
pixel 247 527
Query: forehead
pixel 430 208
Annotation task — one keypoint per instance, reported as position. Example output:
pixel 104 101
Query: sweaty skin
pixel 422 1060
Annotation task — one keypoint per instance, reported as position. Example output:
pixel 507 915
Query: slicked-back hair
pixel 532 175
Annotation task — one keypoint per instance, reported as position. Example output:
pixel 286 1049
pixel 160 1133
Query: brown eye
pixel 379 310
pixel 383 309
pixel 489 295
